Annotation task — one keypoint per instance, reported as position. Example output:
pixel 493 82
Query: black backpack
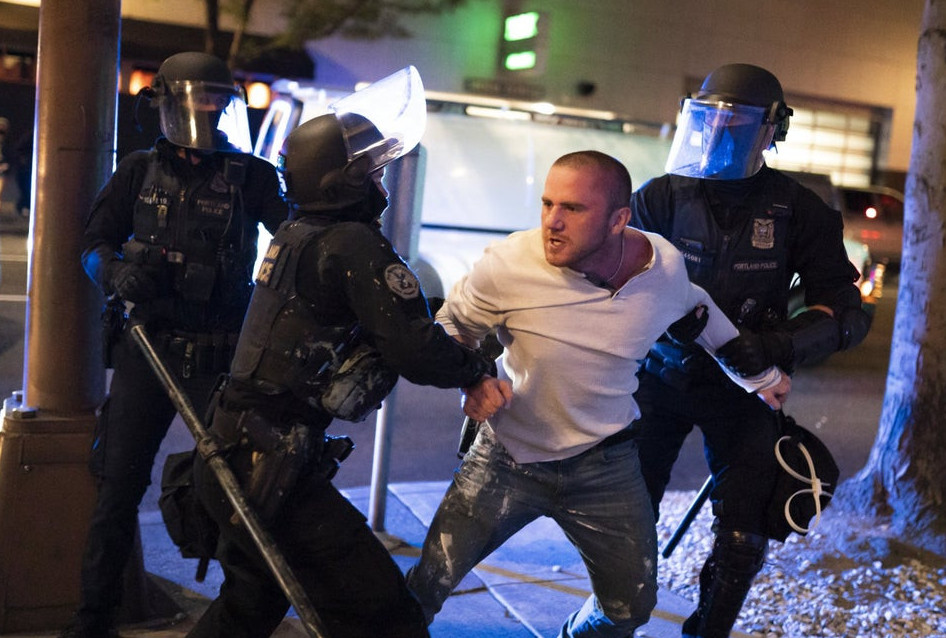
pixel 804 487
pixel 188 523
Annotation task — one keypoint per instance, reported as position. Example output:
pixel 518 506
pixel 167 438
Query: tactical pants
pixel 355 587
pixel 739 435
pixel 133 422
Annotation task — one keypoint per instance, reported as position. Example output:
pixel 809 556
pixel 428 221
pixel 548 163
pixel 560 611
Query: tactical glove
pixel 687 328
pixel 753 352
pixel 132 282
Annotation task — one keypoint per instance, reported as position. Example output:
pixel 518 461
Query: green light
pixel 522 26
pixel 520 61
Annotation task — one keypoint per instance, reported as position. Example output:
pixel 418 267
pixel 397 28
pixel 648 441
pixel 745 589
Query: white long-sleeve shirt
pixel 572 348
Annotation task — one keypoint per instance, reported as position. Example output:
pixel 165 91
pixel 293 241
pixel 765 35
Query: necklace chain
pixel 620 263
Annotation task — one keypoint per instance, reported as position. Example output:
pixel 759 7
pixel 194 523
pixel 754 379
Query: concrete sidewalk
pixel 525 589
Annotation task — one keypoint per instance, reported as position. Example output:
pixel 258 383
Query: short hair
pixel 610 169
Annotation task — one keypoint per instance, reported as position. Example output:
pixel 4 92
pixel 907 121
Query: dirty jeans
pixel 597 498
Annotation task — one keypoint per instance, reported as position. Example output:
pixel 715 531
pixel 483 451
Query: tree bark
pixel 903 480
pixel 212 31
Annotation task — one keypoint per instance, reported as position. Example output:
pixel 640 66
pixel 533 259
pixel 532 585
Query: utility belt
pixel 274 457
pixel 198 352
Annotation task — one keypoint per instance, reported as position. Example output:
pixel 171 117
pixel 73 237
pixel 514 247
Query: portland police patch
pixel 401 281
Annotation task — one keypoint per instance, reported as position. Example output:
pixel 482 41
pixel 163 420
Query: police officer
pixel 744 230
pixel 172 235
pixel 335 317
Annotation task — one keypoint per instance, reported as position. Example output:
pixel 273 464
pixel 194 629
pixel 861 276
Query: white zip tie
pixel 816 490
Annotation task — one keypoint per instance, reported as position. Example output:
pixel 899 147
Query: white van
pixel 483 163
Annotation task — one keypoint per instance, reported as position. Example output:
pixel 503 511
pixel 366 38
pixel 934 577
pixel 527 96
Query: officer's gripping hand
pixel 687 328
pixel 754 352
pixel 132 282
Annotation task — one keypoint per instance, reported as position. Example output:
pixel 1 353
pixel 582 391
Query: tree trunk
pixel 903 480
pixel 243 19
pixel 212 31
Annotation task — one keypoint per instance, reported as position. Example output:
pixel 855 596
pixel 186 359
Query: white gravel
pixel 845 579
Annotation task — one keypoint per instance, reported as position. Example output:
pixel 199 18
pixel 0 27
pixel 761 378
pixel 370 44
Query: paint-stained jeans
pixel 599 500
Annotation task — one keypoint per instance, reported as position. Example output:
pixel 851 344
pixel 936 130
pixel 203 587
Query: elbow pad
pixel 96 262
pixel 855 324
pixel 815 335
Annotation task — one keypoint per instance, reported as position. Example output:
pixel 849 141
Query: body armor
pixel 190 235
pixel 311 350
pixel 745 265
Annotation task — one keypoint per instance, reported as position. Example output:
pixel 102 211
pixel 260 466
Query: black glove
pixel 687 328
pixel 753 352
pixel 132 282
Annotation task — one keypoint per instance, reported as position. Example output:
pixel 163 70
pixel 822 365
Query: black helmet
pixel 748 84
pixel 330 162
pixel 723 130
pixel 200 106
pixel 316 164
pixel 191 66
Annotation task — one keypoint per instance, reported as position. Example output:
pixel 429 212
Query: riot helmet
pixel 738 113
pixel 199 105
pixel 334 160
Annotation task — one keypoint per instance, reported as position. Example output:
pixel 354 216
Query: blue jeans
pixel 598 498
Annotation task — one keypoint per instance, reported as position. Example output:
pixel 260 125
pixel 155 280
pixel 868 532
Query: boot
pixel 724 583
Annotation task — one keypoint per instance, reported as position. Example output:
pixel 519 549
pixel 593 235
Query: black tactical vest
pixel 285 343
pixel 744 267
pixel 191 234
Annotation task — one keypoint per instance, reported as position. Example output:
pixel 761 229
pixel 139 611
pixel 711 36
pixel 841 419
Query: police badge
pixel 763 233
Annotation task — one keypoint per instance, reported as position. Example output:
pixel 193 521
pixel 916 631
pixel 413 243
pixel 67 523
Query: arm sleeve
pixel 110 220
pixel 471 309
pixel 265 200
pixel 392 310
pixel 819 256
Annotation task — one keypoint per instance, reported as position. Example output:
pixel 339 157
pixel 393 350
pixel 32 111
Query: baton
pixel 467 434
pixel 688 517
pixel 210 452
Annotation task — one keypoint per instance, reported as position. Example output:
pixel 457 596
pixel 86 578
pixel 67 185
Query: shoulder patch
pixel 401 281
pixel 268 263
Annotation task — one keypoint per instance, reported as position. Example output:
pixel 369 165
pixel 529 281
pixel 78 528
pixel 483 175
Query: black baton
pixel 209 451
pixel 688 517
pixel 467 434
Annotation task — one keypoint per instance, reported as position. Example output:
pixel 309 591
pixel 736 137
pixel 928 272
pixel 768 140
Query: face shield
pixel 720 140
pixel 385 120
pixel 204 116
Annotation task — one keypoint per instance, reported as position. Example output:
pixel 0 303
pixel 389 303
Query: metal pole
pixel 377 500
pixel 76 102
pixel 401 225
pixel 47 428
pixel 208 450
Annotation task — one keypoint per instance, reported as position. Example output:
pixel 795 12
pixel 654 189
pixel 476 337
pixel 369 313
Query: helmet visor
pixel 205 116
pixel 719 140
pixel 397 108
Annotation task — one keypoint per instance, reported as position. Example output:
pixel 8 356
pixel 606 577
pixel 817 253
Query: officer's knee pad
pixel 740 552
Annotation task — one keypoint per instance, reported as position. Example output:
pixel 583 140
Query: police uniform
pixel 742 241
pixel 328 287
pixel 192 229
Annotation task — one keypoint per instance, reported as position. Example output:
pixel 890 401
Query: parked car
pixel 874 215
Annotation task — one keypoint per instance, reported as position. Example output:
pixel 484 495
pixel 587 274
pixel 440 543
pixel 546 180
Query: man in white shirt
pixel 576 304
